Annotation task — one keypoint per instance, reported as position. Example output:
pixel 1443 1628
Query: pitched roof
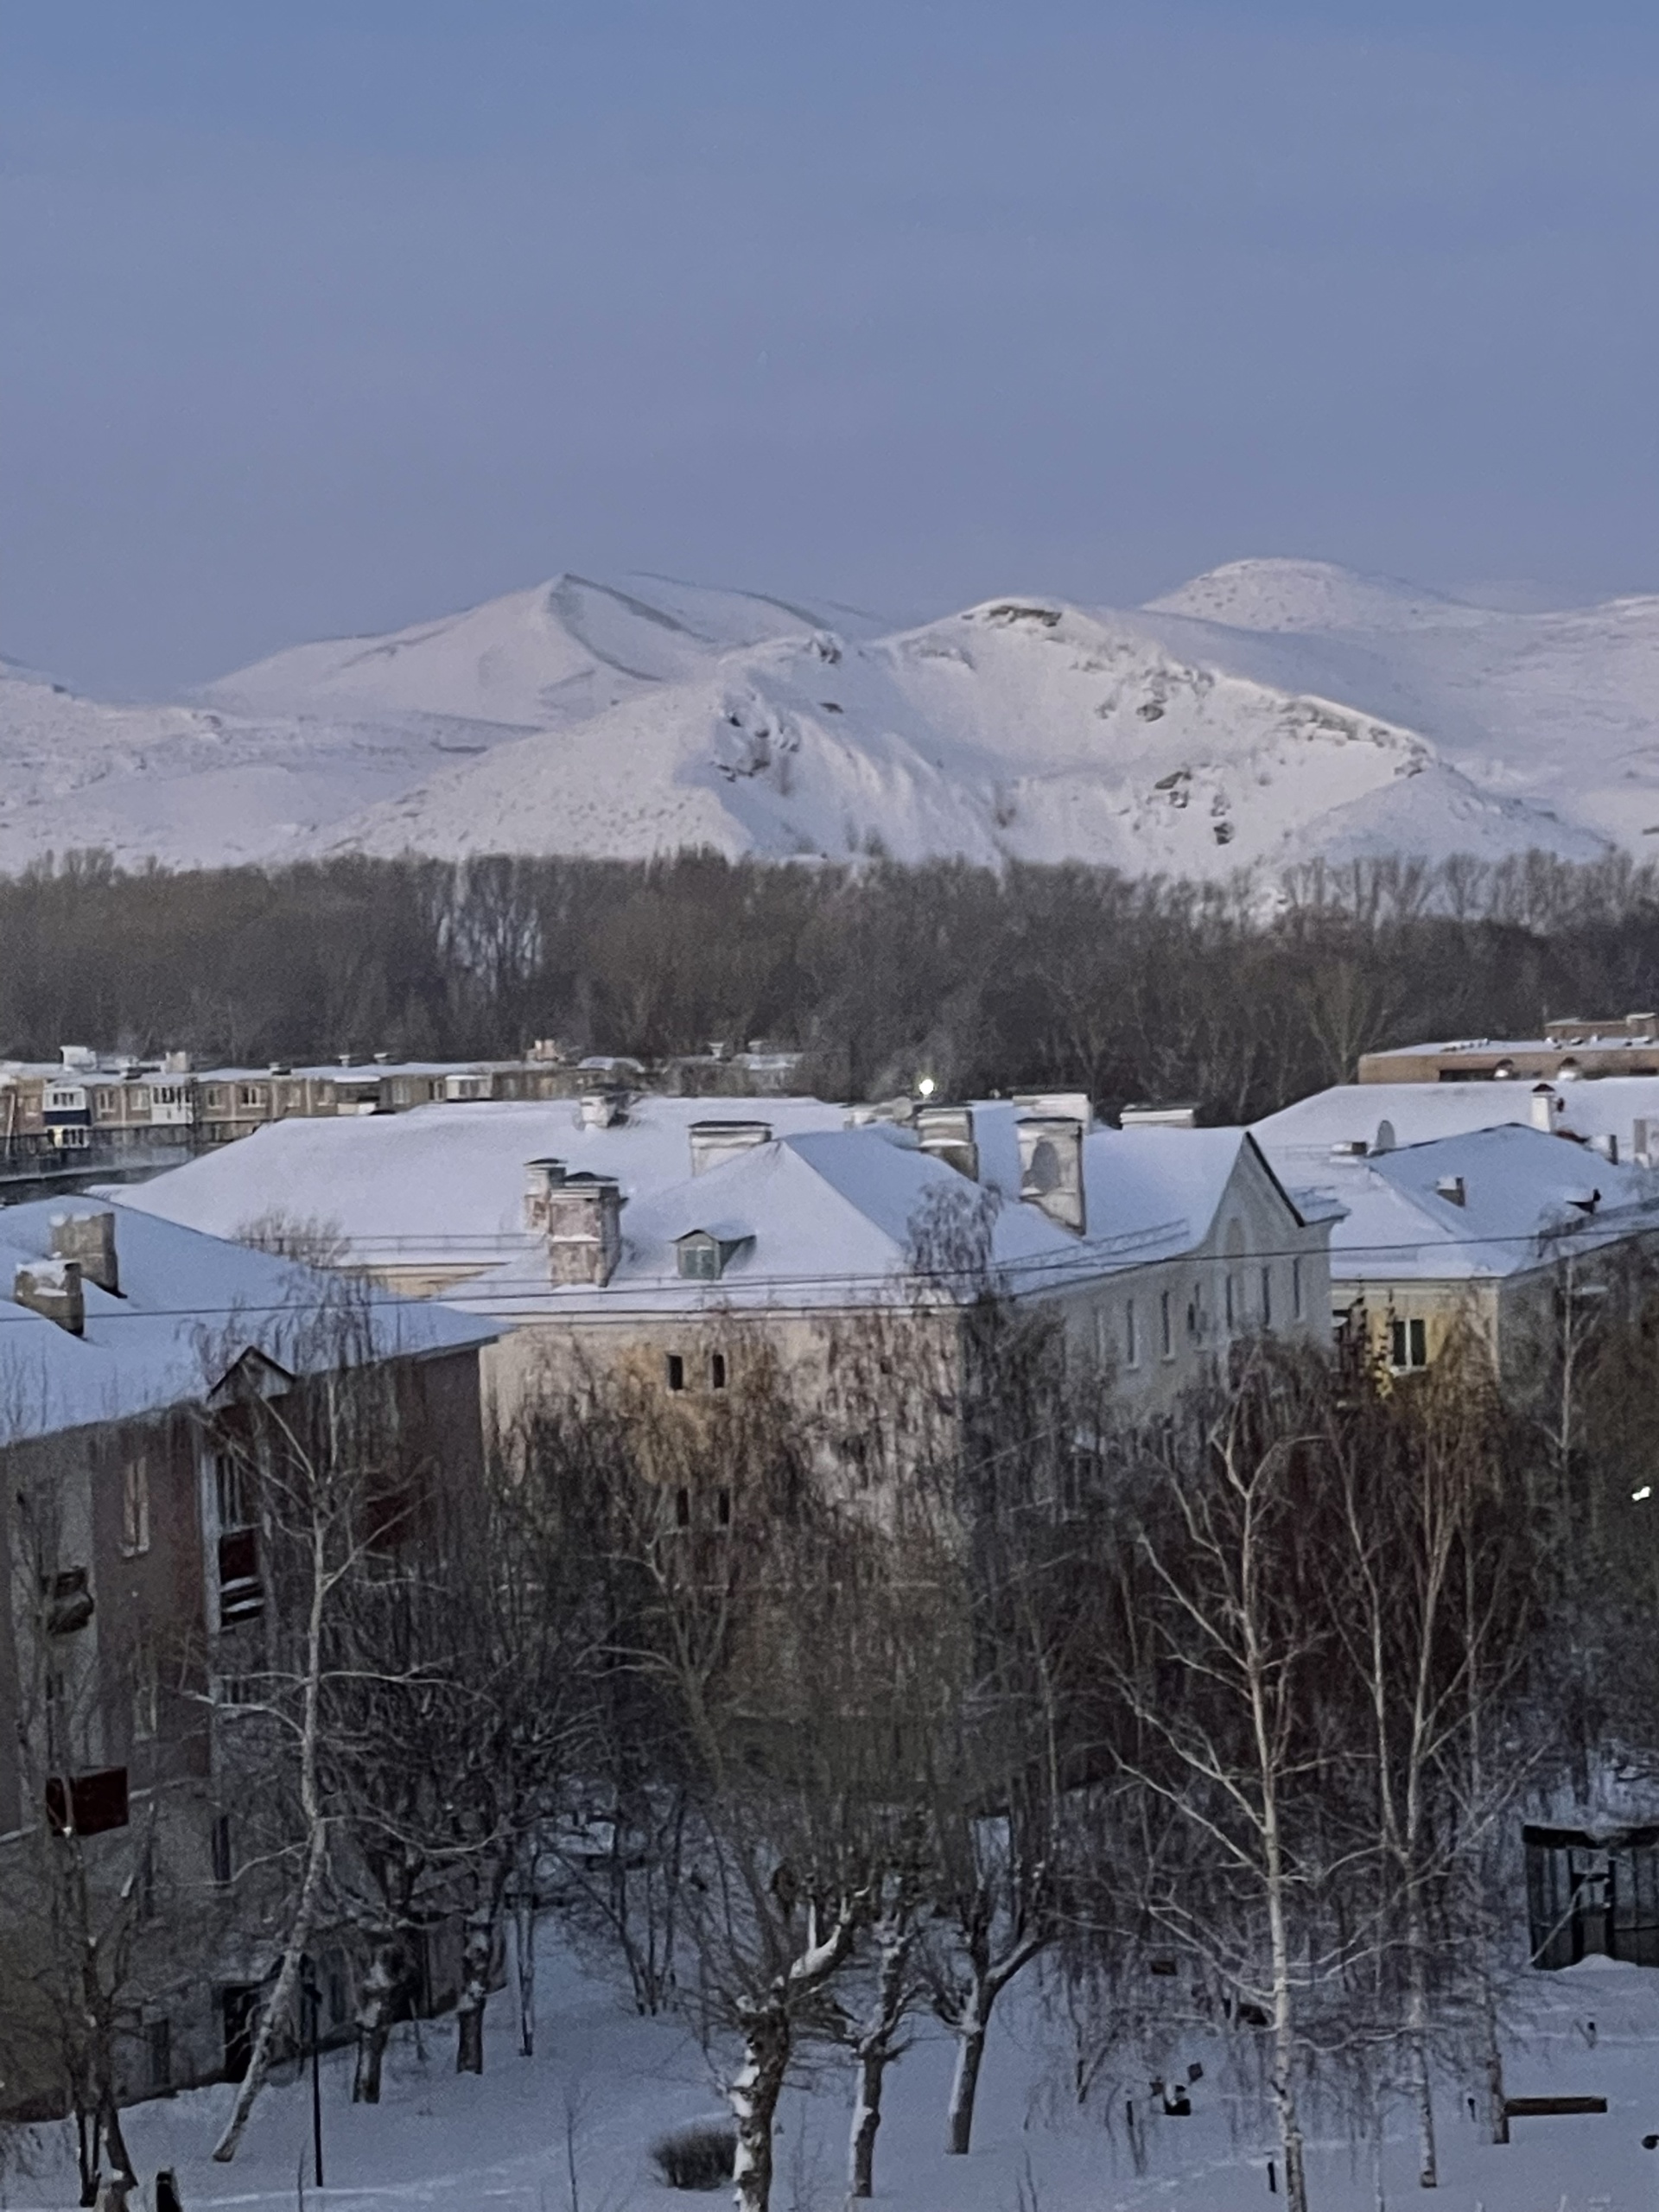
pixel 189 1307
pixel 1526 1198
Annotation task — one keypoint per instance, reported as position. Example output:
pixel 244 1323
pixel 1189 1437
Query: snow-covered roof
pixel 1485 1203
pixel 442 1185
pixel 824 1212
pixel 830 1219
pixel 1415 1113
pixel 189 1307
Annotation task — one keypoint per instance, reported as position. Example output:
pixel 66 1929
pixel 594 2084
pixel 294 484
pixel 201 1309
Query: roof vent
pixel 1144 1116
pixel 89 1240
pixel 948 1133
pixel 1451 1188
pixel 1546 1106
pixel 1051 1168
pixel 1350 1148
pixel 713 1143
pixel 601 1110
pixel 51 1289
pixel 1385 1139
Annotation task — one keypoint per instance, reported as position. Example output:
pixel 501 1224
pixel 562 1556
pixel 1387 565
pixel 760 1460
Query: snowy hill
pixel 1018 730
pixel 1264 712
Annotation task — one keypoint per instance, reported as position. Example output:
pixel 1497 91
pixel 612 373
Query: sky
pixel 326 316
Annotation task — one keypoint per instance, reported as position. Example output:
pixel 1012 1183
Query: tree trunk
pixel 1497 2108
pixel 477 1957
pixel 1422 2088
pixel 524 1939
pixel 114 2142
pixel 964 2083
pixel 374 2020
pixel 87 2140
pixel 895 1937
pixel 753 2097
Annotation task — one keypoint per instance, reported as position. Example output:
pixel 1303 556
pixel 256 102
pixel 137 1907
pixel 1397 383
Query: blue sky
pixel 326 315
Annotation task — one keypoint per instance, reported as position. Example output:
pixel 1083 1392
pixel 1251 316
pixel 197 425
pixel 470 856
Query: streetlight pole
pixel 313 1997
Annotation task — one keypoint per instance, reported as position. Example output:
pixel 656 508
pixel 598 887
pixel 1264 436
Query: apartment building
pixel 1626 1045
pixel 140 1599
pixel 657 1236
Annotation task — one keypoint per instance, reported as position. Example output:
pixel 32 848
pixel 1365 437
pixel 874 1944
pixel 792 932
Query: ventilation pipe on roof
pixel 89 1240
pixel 600 1109
pixel 1546 1106
pixel 1607 1146
pixel 580 1218
pixel 1051 1167
pixel 51 1289
pixel 948 1133
pixel 713 1143
pixel 1451 1188
pixel 1142 1117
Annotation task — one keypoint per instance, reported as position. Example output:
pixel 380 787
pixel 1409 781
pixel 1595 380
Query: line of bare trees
pixel 1242 996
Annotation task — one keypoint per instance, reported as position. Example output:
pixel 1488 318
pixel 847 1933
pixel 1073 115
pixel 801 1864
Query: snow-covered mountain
pixel 1266 711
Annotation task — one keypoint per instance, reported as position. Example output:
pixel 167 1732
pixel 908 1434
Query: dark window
pixel 717 1371
pixel 1167 1326
pixel 675 1371
pixel 723 1508
pixel 68 1601
pixel 1267 1298
pixel 1409 1343
pixel 89 1803
pixel 224 1857
pixel 681 1508
pixel 241 1594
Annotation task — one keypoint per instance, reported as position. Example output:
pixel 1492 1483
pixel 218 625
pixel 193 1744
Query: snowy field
pixel 604 2084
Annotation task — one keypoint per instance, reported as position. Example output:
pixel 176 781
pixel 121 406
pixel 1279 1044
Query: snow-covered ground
pixel 1262 713
pixel 604 2084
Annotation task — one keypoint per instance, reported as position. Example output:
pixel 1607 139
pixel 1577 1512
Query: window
pixel 1195 1312
pixel 216 1098
pixel 676 1367
pixel 1230 1293
pixel 681 1508
pixel 219 1848
pixel 158 2055
pixel 68 1600
pixel 1267 1298
pixel 716 1370
pixel 1131 1337
pixel 723 1508
pixel 1167 1324
pixel 140 1100
pixel 233 1492
pixel 135 1507
pixel 109 1102
pixel 1407 1344
pixel 1296 1289
pixel 87 1804
pixel 250 1094
pixel 241 1592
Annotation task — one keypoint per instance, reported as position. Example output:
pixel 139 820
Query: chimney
pixel 713 1143
pixel 1545 1106
pixel 1607 1146
pixel 89 1240
pixel 1051 1167
pixel 579 1215
pixel 599 1109
pixel 1062 1105
pixel 1158 1118
pixel 51 1289
pixel 948 1133
pixel 1451 1188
